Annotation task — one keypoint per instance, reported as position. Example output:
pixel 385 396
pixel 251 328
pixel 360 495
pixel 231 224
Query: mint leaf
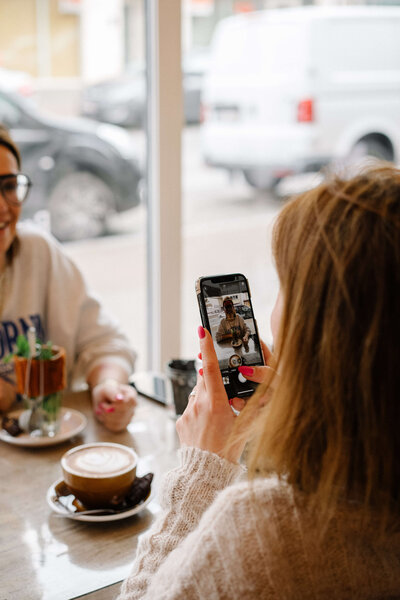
pixel 22 347
pixel 46 352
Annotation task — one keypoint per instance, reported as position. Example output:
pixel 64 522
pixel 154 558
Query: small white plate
pixel 59 509
pixel 72 423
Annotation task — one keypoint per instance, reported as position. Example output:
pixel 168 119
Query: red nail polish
pixel 246 370
pixel 199 355
pixel 110 409
pixel 230 401
pixel 201 332
pixel 200 371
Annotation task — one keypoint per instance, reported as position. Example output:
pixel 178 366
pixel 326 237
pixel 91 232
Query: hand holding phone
pixel 226 311
pixel 208 421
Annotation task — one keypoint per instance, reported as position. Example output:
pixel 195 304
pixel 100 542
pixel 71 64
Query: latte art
pixel 99 474
pixel 100 461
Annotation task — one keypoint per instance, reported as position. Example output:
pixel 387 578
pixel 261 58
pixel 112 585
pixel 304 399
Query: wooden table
pixel 47 557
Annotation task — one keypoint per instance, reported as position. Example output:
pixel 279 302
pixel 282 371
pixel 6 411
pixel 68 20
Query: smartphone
pixel 227 312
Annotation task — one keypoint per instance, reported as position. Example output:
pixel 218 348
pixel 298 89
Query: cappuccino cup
pixel 99 474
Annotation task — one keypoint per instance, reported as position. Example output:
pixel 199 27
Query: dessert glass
pixel 41 382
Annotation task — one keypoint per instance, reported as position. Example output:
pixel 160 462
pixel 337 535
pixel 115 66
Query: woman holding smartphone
pixel 318 513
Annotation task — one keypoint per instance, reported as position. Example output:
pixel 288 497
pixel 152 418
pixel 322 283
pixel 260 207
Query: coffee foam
pixel 99 461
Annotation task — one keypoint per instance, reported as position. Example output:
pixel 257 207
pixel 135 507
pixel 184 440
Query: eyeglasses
pixel 15 188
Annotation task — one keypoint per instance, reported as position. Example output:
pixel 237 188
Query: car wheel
pixel 259 179
pixel 371 148
pixel 79 206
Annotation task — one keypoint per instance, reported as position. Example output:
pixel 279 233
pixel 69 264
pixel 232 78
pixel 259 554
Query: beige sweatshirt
pixel 226 326
pixel 45 289
pixel 254 541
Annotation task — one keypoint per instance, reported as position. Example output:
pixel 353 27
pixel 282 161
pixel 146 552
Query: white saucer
pixel 72 423
pixel 59 509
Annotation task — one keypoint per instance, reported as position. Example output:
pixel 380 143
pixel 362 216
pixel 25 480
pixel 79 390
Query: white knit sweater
pixel 253 541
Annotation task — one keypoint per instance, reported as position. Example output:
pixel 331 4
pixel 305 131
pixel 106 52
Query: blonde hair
pixel 331 425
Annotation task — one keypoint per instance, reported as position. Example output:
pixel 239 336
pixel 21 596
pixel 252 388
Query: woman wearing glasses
pixel 41 287
pixel 232 327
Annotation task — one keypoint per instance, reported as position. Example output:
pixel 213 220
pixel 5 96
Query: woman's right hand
pixel 208 420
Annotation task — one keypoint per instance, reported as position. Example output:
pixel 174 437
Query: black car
pixel 122 101
pixel 244 311
pixel 241 309
pixel 82 172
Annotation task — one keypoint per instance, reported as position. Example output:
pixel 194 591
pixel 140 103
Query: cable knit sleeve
pixel 185 495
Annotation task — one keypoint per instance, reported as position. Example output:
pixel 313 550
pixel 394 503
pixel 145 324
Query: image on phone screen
pixel 232 325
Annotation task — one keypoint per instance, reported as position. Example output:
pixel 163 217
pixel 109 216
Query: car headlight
pixel 119 138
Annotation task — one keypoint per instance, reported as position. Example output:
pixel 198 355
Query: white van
pixel 291 90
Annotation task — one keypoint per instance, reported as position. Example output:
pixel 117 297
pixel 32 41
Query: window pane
pixel 227 225
pixel 287 91
pixel 72 92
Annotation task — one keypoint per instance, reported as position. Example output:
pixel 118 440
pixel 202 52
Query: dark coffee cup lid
pixel 181 364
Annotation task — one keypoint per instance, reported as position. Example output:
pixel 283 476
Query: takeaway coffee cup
pixel 99 474
pixel 183 376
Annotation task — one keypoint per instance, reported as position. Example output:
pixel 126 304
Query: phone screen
pixel 225 302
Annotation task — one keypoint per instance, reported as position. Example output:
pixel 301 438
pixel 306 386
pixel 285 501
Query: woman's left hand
pixel 208 420
pixel 114 404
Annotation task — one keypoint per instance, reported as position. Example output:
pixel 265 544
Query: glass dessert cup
pixel 40 382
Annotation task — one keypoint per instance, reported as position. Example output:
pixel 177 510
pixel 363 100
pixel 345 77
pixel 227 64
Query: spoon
pixel 94 511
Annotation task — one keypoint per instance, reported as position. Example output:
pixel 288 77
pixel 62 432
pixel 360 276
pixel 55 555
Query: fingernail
pixel 246 370
pixel 200 371
pixel 201 332
pixel 199 355
pixel 110 409
pixel 230 401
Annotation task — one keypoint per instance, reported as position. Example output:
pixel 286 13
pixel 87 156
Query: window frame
pixel 164 132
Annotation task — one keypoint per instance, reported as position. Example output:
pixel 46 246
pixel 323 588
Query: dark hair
pixel 331 425
pixel 8 142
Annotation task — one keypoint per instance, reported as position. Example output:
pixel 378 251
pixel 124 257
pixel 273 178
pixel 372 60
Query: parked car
pixel 82 172
pixel 243 311
pixel 291 90
pixel 194 68
pixel 122 101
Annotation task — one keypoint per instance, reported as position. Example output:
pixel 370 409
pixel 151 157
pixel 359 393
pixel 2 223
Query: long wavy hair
pixel 331 424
